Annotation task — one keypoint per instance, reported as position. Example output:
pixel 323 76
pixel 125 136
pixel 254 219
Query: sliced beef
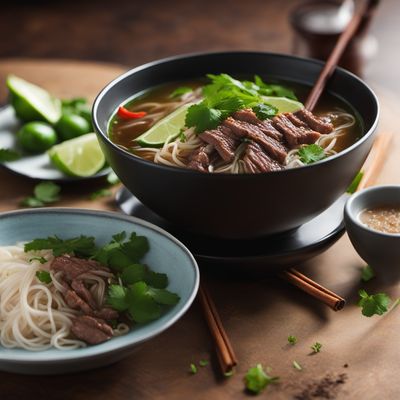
pixel 243 129
pixel 106 313
pixel 74 301
pixel 72 267
pixel 294 135
pixel 91 330
pixel 314 122
pixel 200 158
pixel 266 127
pixel 83 292
pixel 256 160
pixel 224 143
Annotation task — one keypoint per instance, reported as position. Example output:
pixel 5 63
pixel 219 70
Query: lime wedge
pixel 166 129
pixel 31 102
pixel 283 104
pixel 81 156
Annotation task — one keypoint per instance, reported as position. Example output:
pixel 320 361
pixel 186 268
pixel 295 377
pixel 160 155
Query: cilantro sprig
pixel 311 153
pixel 375 304
pixel 316 347
pixel 292 340
pixel 367 273
pixel 225 95
pixel 256 379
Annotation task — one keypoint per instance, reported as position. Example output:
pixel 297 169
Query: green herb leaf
pixel 31 202
pixel 119 237
pixel 7 155
pixel 117 298
pixel 292 340
pixel 311 153
pixel 297 365
pixel 202 117
pixel 142 307
pixel 376 304
pixel 230 373
pixel 80 246
pixel 182 137
pixel 100 193
pixel 178 92
pixel 47 192
pixel 112 178
pixel 203 363
pixel 316 347
pixel 164 296
pixel 133 273
pixel 354 184
pixel 257 380
pixel 273 89
pixel 156 279
pixel 42 260
pixel 193 369
pixel 265 111
pixel 43 276
pixel 136 247
pixel 367 273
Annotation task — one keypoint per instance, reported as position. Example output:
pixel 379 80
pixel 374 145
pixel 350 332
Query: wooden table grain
pixel 258 314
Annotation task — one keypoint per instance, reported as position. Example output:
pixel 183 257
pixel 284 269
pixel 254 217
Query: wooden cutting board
pixel 258 315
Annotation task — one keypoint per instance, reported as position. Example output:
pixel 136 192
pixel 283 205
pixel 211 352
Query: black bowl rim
pixel 353 219
pixel 225 175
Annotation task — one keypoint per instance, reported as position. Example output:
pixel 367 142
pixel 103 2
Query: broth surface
pixel 383 218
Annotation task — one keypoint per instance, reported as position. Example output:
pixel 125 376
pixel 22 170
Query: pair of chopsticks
pixel 225 352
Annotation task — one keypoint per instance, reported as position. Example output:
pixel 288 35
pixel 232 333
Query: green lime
pixel 165 130
pixel 283 104
pixel 70 126
pixel 80 156
pixel 31 102
pixel 37 137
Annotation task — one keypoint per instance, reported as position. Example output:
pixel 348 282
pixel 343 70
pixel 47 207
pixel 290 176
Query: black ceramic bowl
pixel 245 205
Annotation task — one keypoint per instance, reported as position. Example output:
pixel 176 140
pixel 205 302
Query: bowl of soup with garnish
pixel 220 143
pixel 372 218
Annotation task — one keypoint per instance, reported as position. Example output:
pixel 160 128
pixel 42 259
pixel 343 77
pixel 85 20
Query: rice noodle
pixel 34 315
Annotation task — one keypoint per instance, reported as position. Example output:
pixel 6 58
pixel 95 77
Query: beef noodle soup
pixel 225 125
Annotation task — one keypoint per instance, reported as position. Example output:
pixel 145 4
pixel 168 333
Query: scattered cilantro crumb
pixel 367 273
pixel 375 304
pixel 355 182
pixel 44 193
pixel 7 155
pixel 42 260
pixel 43 276
pixel 230 373
pixel 316 347
pixel 311 153
pixel 297 366
pixel 193 369
pixel 256 379
pixel 203 363
pixel 292 340
pixel 100 193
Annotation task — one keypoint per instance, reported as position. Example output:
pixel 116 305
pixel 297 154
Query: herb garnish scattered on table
pixel 375 304
pixel 203 363
pixel 292 340
pixel 354 184
pixel 193 369
pixel 316 347
pixel 297 366
pixel 256 379
pixel 104 192
pixel 44 193
pixel 367 273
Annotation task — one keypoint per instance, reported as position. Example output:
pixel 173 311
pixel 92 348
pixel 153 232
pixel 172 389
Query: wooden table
pixel 258 314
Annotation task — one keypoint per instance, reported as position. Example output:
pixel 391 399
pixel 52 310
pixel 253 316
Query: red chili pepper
pixel 126 114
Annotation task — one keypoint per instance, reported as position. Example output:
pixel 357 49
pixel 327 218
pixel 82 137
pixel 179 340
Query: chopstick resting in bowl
pixel 370 171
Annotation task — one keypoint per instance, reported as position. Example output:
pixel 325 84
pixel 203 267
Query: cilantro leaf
pixel 7 155
pixel 203 363
pixel 193 369
pixel 367 273
pixel 136 247
pixel 81 246
pixel 117 298
pixel 376 304
pixel 164 296
pixel 355 182
pixel 119 237
pixel 257 380
pixel 273 89
pixel 264 111
pixel 292 340
pixel 142 306
pixel 311 153
pixel 156 279
pixel 133 273
pixel 178 92
pixel 316 347
pixel 43 276
pixel 47 192
pixel 42 260
pixel 297 365
pixel 202 117
pixel 100 193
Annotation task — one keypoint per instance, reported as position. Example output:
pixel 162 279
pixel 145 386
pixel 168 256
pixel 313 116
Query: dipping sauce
pixel 384 219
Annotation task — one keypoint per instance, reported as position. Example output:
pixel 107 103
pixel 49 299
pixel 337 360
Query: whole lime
pixel 70 126
pixel 36 137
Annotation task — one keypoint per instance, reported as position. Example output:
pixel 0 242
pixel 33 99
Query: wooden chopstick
pixel 225 352
pixel 370 169
pixel 358 20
